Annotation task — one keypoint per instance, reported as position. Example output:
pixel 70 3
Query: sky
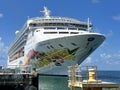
pixel 104 15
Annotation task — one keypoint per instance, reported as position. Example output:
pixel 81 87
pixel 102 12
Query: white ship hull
pixel 47 56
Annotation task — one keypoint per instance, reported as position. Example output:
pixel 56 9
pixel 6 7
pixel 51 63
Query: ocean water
pixel 61 83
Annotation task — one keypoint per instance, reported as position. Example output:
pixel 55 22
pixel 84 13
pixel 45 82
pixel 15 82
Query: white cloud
pixel 95 1
pixel 3 53
pixel 112 59
pixel 117 17
pixel 105 56
pixel 109 34
pixel 1 15
pixel 103 60
pixel 88 60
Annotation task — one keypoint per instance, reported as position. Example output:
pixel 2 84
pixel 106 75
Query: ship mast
pixel 88 25
pixel 46 12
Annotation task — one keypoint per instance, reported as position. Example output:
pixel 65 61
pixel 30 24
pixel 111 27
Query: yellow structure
pixel 92 77
pixel 77 75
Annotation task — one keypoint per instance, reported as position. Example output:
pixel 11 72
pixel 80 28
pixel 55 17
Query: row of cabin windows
pixel 61 32
pixel 58 24
pixel 48 20
pixel 61 28
pixel 29 37
pixel 17 55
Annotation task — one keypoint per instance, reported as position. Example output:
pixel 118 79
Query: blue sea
pixel 61 82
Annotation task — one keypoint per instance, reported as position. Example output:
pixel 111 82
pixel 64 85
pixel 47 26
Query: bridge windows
pixel 59 25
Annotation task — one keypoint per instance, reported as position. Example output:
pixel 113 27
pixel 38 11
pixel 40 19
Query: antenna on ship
pixel 89 25
pixel 46 12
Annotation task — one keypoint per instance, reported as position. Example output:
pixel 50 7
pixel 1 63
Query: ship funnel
pixel 17 32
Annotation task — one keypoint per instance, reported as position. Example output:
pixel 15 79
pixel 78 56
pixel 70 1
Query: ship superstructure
pixel 52 43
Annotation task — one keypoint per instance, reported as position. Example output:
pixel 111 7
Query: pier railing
pixel 15 78
pixel 16 69
pixel 15 74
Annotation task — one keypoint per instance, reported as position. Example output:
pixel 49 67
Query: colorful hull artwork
pixel 55 56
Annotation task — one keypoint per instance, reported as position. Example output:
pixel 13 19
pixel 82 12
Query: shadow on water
pixel 53 83
pixel 6 88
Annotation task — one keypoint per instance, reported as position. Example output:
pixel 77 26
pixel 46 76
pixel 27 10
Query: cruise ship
pixel 51 43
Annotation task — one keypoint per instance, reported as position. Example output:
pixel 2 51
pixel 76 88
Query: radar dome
pixel 16 32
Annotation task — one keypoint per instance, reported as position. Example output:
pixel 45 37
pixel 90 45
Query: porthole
pixel 91 39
